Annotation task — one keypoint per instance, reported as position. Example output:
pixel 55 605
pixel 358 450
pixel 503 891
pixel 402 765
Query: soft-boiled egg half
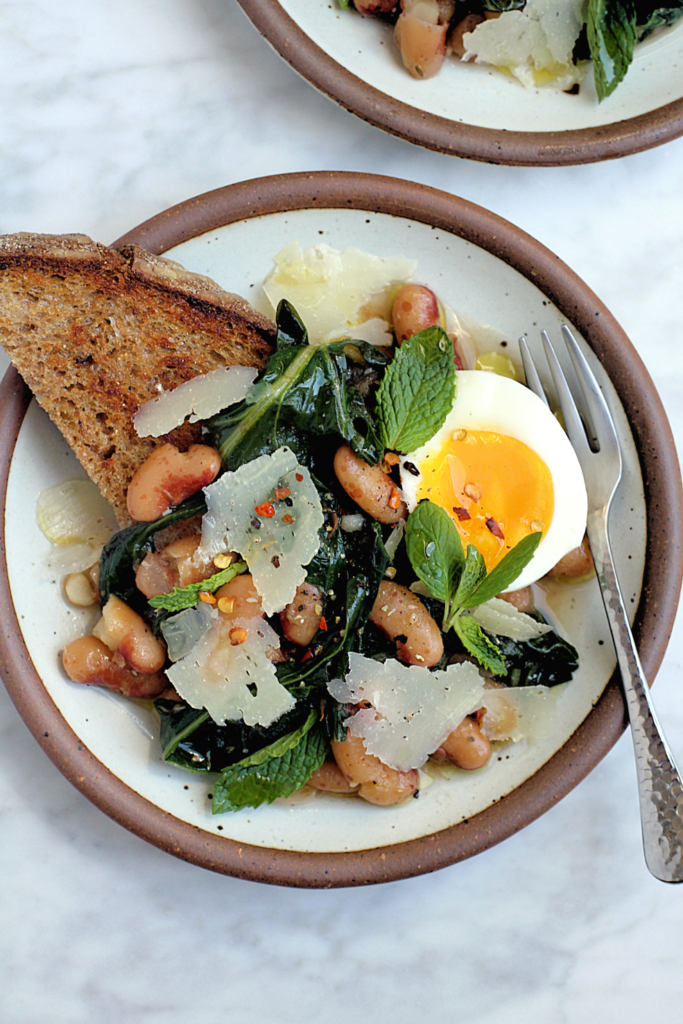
pixel 502 467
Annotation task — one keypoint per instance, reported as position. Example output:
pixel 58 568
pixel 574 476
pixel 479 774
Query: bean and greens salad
pixel 312 400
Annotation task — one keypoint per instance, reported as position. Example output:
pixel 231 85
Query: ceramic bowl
pixel 473 110
pixel 491 272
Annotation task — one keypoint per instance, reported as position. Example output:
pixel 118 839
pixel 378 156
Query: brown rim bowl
pixel 498 146
pixel 661 582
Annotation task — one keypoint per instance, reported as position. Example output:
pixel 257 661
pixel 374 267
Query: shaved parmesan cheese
pixel 335 292
pixel 182 631
pixel 413 710
pixel 534 44
pixel 501 617
pixel 217 675
pixel 199 398
pixel 521 712
pixel 276 546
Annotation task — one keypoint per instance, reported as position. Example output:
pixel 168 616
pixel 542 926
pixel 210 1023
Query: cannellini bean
pixel 300 620
pixel 330 778
pixel 422 42
pixel 239 599
pixel 415 308
pixel 177 565
pixel 79 589
pixel 127 633
pixel 369 486
pixel 578 562
pixel 467 747
pixel 88 660
pixel 169 476
pixel 455 38
pixel 522 600
pixel 400 613
pixel 377 782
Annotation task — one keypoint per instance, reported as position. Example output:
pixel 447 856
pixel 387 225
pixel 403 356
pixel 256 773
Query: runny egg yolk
pixel 494 487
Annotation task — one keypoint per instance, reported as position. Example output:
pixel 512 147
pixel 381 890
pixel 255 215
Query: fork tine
pixel 530 371
pixel 572 420
pixel 602 423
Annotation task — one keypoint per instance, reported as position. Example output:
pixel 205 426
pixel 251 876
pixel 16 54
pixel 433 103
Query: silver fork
pixel 597 448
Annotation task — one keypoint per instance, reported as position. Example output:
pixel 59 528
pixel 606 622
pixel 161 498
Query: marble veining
pixel 110 113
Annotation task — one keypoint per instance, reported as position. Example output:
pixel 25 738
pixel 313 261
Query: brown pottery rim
pixel 656 610
pixel 490 145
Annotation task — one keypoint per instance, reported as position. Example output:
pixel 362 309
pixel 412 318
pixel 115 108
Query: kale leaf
pixel 304 388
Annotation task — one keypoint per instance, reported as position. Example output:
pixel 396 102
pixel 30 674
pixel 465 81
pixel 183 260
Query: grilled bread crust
pixel 96 333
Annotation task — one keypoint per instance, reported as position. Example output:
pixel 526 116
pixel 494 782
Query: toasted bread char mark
pixel 95 333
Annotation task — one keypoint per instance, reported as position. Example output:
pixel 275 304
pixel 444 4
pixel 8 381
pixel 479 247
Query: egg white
pixel 485 401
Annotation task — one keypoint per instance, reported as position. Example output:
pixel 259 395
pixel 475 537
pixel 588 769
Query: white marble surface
pixel 109 114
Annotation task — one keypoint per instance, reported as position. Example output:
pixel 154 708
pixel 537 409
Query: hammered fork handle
pixel 659 784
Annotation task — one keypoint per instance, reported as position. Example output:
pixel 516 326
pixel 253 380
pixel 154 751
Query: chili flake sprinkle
pixel 395 498
pixel 282 492
pixel 323 624
pixel 299 476
pixel 462 513
pixel 266 510
pixel 237 636
pixel 206 597
pixel 288 519
pixel 392 459
pixel 495 529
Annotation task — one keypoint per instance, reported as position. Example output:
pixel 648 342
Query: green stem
pixel 275 394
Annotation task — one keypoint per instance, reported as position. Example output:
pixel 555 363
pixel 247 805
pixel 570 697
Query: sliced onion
pixel 74 512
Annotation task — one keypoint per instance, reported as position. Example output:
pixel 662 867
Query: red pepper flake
pixel 266 510
pixel 495 529
pixel 206 597
pixel 288 519
pixel 299 476
pixel 323 624
pixel 462 513
pixel 282 492
pixel 307 655
pixel 392 459
pixel 395 498
pixel 237 636
pixel 275 561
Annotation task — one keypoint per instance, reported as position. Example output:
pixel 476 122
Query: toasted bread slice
pixel 95 333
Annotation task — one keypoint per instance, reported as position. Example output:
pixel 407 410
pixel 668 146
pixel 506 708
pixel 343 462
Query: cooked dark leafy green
pixel 305 388
pixel 191 739
pixel 547 660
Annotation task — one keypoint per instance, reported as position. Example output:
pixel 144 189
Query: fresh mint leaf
pixel 435 549
pixel 281 745
pixel 187 597
pixel 479 645
pixel 505 573
pixel 612 36
pixel 417 391
pixel 473 573
pixel 250 785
